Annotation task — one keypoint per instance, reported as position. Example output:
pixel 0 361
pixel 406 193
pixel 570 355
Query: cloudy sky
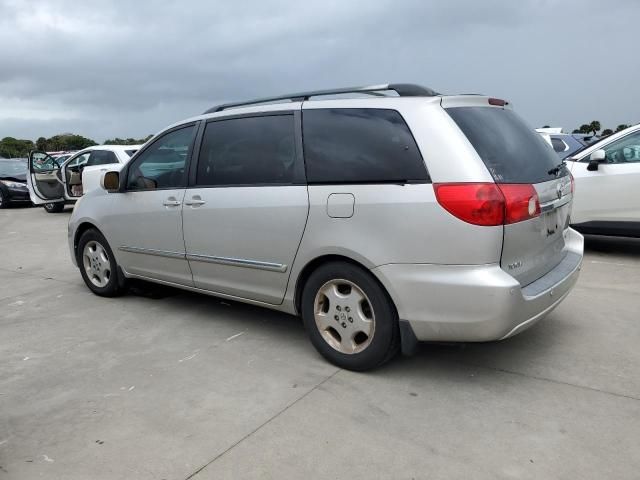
pixel 129 68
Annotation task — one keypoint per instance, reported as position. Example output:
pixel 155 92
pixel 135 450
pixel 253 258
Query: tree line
pixel 16 148
pixel 594 127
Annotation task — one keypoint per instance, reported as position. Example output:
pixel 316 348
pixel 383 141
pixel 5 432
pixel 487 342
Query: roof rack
pixel 402 89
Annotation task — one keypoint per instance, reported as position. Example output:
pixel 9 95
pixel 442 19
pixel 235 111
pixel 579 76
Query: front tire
pixel 97 264
pixel 54 207
pixel 349 317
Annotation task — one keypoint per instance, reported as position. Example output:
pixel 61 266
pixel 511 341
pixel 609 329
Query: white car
pixel 53 183
pixel 607 182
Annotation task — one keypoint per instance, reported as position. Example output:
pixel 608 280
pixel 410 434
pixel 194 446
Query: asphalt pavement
pixel 164 384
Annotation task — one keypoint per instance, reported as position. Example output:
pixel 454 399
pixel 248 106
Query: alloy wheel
pixel 96 264
pixel 344 316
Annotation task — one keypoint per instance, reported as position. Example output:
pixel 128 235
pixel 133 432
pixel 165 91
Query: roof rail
pixel 402 89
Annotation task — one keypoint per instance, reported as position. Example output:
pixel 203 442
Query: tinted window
pixel 101 157
pixel 248 151
pixel 130 152
pixel 360 145
pixel 162 165
pixel 12 168
pixel 624 150
pixel 511 150
pixel 558 145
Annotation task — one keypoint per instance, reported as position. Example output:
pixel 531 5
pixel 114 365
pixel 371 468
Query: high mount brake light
pixel 488 204
pixel 498 102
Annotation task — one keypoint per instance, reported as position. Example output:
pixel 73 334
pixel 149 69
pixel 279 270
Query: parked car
pixel 607 176
pixel 53 183
pixel 566 144
pixel 382 221
pixel 13 182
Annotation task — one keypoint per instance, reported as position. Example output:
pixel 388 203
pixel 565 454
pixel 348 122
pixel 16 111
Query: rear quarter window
pixel 510 149
pixel 358 145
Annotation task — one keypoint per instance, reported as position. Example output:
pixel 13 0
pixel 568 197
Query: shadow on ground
pixel 625 246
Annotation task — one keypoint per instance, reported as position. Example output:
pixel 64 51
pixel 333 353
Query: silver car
pixel 381 215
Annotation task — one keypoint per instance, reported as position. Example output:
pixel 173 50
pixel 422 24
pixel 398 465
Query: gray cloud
pixel 120 68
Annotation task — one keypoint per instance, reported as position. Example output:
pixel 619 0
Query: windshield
pixel 511 150
pixel 13 168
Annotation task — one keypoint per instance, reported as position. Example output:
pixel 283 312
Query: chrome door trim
pixel 149 251
pixel 238 262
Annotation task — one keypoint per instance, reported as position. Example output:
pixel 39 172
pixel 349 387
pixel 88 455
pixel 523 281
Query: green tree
pixel 594 127
pixel 14 148
pixel 621 127
pixel 585 128
pixel 41 143
pixel 606 131
pixel 127 141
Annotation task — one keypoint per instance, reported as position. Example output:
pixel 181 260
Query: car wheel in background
pixel 54 207
pixel 97 264
pixel 350 318
pixel 3 201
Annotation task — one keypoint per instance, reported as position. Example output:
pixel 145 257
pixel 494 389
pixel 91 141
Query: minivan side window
pixel 360 145
pixel 163 164
pixel 248 151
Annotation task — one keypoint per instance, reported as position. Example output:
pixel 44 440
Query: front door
pixel 44 181
pixel 146 228
pixel 610 194
pixel 245 213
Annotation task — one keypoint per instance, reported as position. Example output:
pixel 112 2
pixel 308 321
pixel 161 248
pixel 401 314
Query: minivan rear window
pixel 511 150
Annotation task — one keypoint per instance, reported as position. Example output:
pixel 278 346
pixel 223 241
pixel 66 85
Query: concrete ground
pixel 163 384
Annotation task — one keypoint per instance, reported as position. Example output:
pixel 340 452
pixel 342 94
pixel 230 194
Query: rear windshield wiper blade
pixel 558 168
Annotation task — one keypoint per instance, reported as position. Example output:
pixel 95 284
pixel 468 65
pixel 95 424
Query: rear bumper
pixel 476 303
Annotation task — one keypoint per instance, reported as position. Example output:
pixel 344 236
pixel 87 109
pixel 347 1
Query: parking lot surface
pixel 163 384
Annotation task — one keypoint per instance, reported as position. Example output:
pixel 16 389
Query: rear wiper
pixel 556 170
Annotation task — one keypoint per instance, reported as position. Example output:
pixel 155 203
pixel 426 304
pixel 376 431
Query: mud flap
pixel 408 340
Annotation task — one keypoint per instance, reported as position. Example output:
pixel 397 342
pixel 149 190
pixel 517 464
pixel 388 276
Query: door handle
pixel 195 202
pixel 171 202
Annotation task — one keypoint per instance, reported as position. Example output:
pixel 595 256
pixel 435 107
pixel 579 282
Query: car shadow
pixel 625 246
pixel 510 355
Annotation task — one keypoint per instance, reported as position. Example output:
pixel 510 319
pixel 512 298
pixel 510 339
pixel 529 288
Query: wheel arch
pixel 83 227
pixel 315 263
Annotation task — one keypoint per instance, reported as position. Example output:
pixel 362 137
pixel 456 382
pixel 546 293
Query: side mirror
pixel 596 158
pixel 110 181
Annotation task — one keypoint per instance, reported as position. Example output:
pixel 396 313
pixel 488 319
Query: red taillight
pixel 488 204
pixel 498 102
pixel 521 202
pixel 476 203
pixel 573 183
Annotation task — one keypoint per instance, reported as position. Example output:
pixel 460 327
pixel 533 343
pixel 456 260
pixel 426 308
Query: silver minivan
pixel 383 216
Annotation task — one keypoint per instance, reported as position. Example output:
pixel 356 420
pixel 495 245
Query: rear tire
pixel 349 317
pixel 54 207
pixel 98 265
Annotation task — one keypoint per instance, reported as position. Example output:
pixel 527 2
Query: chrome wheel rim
pixel 344 316
pixel 96 264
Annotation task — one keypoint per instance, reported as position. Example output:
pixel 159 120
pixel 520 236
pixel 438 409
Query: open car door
pixel 44 179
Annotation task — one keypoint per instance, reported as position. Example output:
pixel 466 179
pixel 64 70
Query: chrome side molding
pixel 149 251
pixel 235 262
pixel 238 262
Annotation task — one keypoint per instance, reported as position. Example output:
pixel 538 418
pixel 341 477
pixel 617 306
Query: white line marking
pixel 234 336
pixel 189 357
pixel 612 263
pixel 47 459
